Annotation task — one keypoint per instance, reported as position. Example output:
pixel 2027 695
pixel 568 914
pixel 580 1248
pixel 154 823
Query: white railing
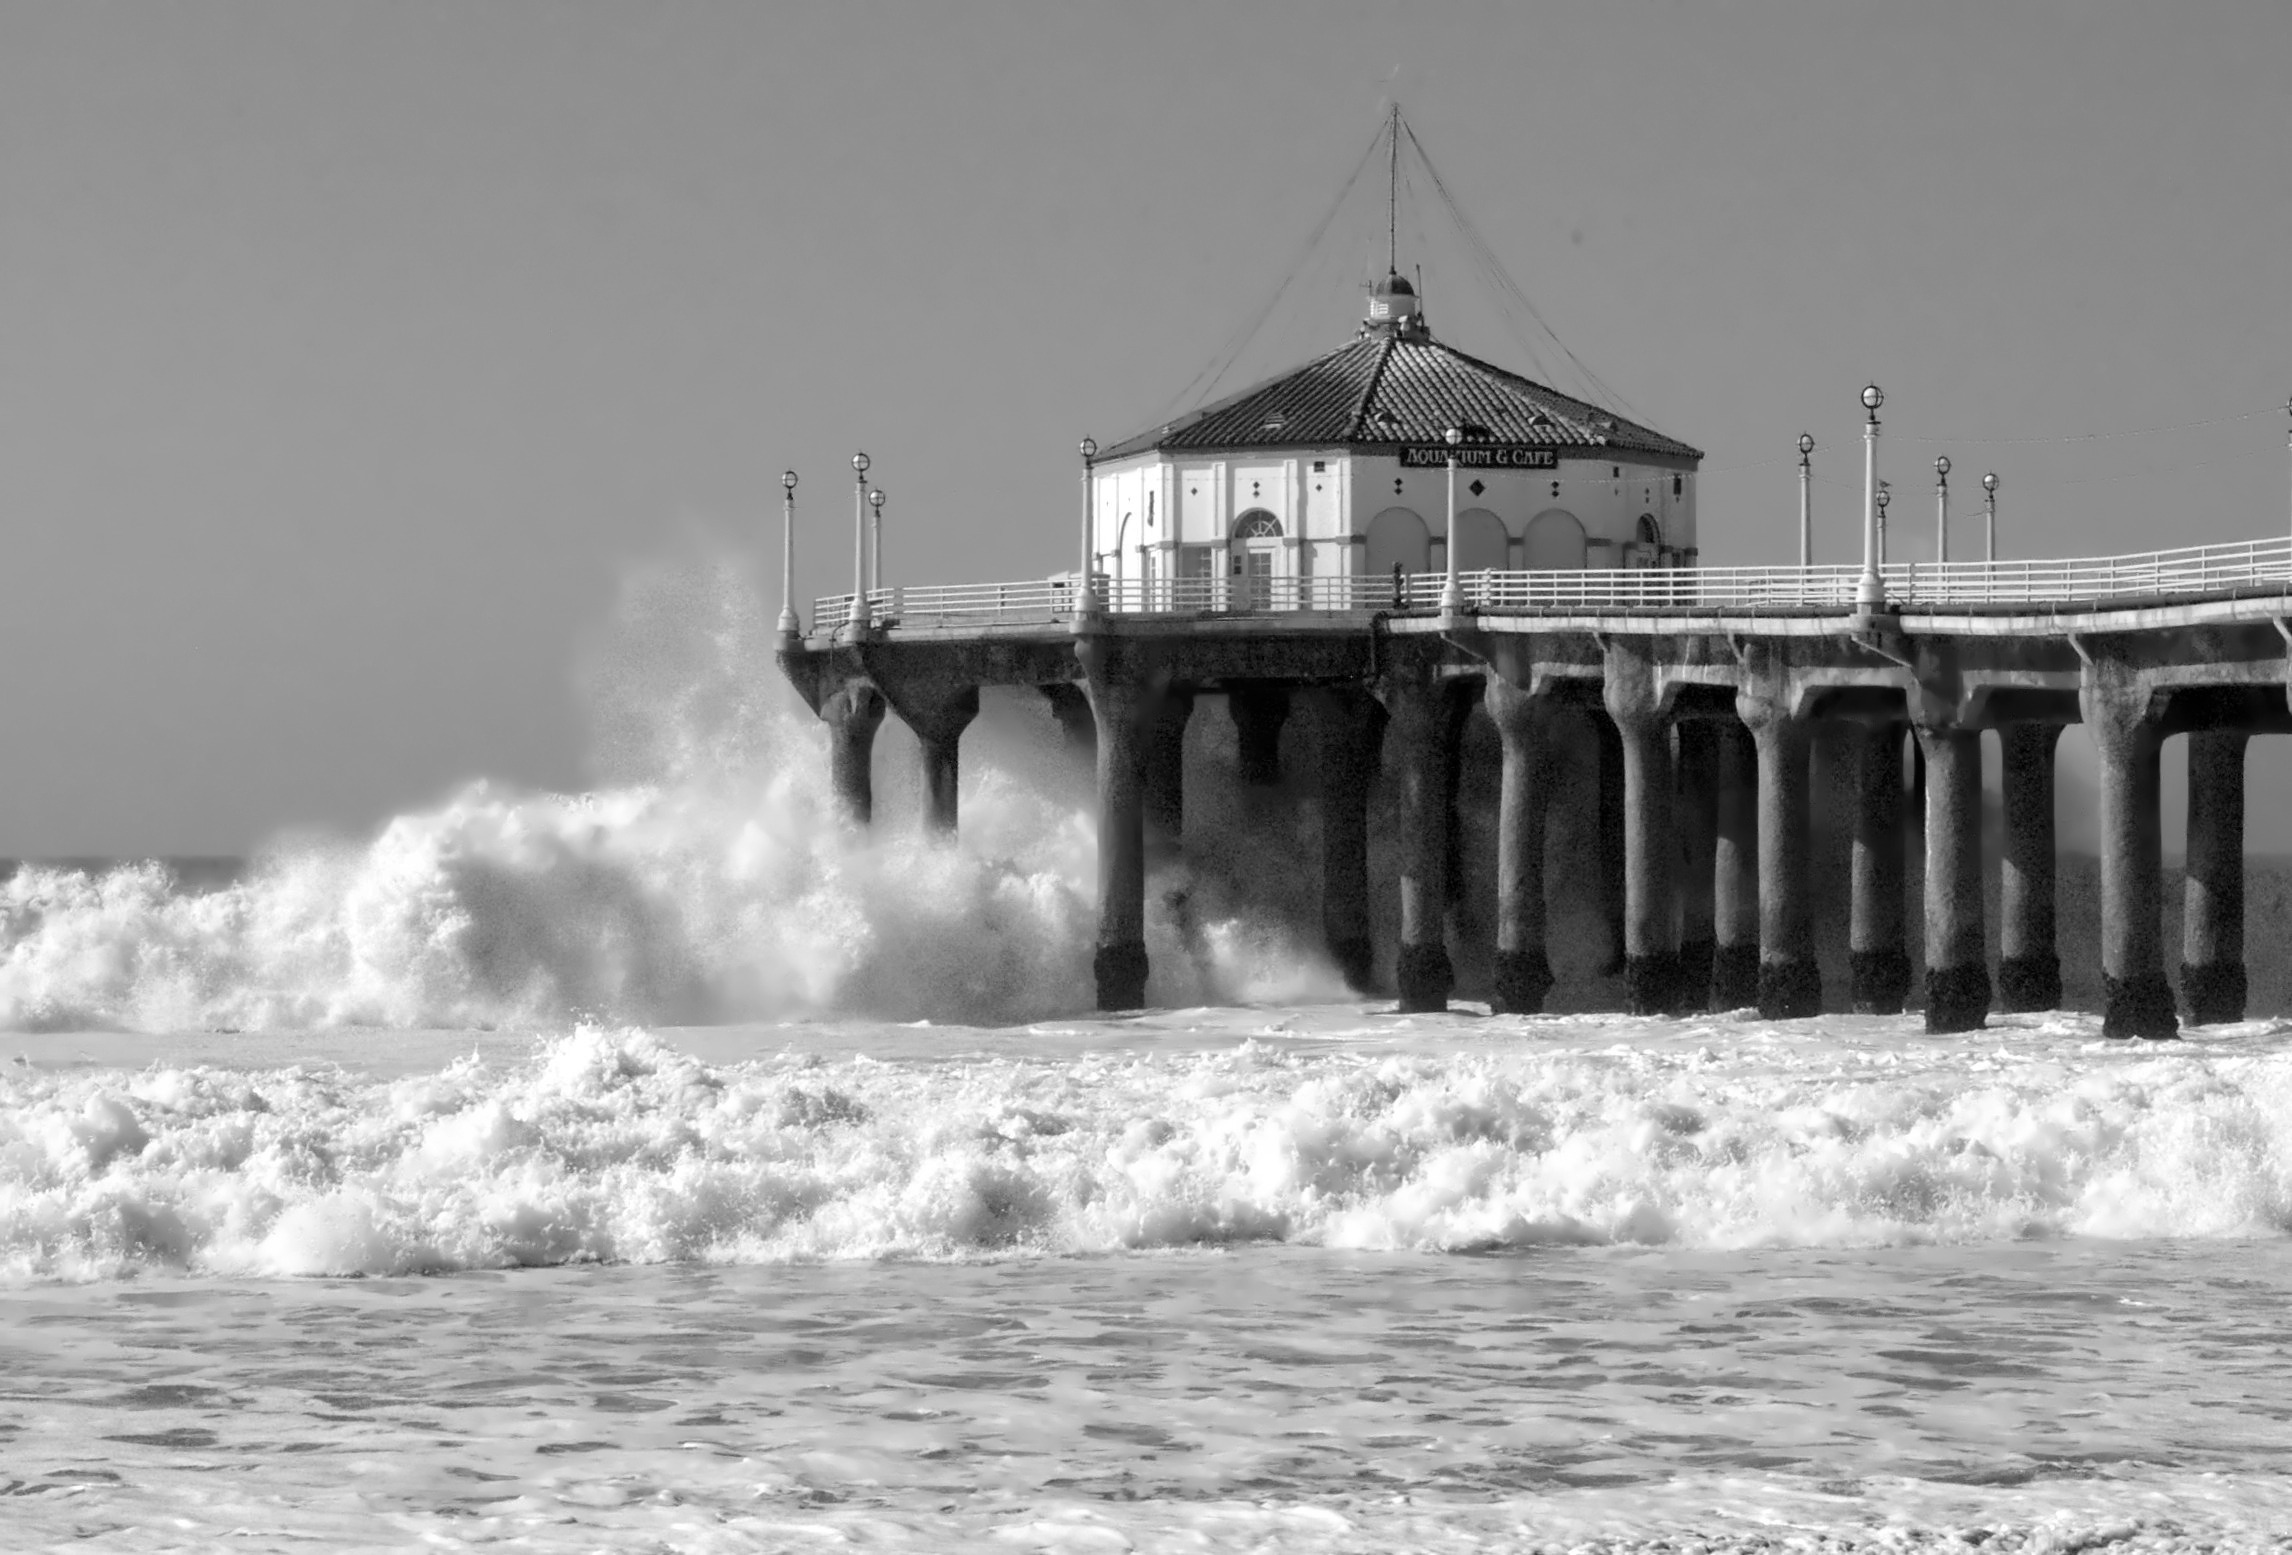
pixel 2190 572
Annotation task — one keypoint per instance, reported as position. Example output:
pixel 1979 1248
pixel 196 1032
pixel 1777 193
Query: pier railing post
pixel 1523 732
pixel 2029 960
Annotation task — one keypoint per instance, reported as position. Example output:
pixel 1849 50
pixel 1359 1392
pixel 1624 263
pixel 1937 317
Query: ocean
pixel 669 1168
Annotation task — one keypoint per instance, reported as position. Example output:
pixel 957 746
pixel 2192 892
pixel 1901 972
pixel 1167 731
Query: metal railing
pixel 2189 572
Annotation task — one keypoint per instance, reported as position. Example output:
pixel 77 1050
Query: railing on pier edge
pixel 2193 571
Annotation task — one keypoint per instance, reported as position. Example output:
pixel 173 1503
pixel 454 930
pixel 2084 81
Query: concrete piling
pixel 1651 925
pixel 2029 961
pixel 1420 729
pixel 853 712
pixel 2138 1002
pixel 1957 964
pixel 1347 730
pixel 2212 914
pixel 1696 812
pixel 1523 730
pixel 1258 712
pixel 1610 802
pixel 1735 870
pixel 1166 763
pixel 1881 966
pixel 938 714
pixel 1070 706
pixel 1121 705
pixel 1790 979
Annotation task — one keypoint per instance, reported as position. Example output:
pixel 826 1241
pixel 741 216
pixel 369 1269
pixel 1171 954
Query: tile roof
pixel 1382 389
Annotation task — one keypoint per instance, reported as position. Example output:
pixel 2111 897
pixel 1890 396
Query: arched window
pixel 1650 532
pixel 1554 542
pixel 1257 524
pixel 1396 536
pixel 1481 541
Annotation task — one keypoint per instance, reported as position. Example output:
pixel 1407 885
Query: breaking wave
pixel 617 1146
pixel 713 883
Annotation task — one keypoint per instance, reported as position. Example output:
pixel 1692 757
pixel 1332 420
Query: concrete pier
pixel 853 712
pixel 1957 958
pixel 1523 731
pixel 1790 979
pixel 1651 922
pixel 1696 812
pixel 1122 706
pixel 1070 706
pixel 1166 763
pixel 1881 964
pixel 1735 871
pixel 938 714
pixel 1419 730
pixel 1258 712
pixel 2029 961
pixel 2212 913
pixel 1348 727
pixel 1614 892
pixel 2119 711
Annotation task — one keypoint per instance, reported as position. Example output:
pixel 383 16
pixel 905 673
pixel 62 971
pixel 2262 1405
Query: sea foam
pixel 617 1146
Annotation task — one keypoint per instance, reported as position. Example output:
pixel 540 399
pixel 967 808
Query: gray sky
pixel 350 354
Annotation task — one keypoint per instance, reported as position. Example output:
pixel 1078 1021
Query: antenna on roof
pixel 1393 192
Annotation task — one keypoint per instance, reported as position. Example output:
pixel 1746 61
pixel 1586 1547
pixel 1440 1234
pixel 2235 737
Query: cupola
pixel 1395 309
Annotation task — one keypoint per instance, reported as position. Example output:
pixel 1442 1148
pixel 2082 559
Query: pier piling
pixel 1421 730
pixel 1881 965
pixel 1957 965
pixel 1523 728
pixel 1735 871
pixel 2029 962
pixel 853 712
pixel 1347 727
pixel 1651 924
pixel 2118 711
pixel 2212 914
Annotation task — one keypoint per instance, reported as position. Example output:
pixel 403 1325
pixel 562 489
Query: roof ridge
pixel 1359 423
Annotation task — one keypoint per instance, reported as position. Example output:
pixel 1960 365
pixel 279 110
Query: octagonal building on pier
pixel 1338 469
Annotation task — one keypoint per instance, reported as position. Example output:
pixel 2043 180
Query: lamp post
pixel 875 541
pixel 2288 426
pixel 1990 514
pixel 1085 602
pixel 1452 591
pixel 858 617
pixel 1942 508
pixel 1806 502
pixel 1870 592
pixel 1885 497
pixel 788 623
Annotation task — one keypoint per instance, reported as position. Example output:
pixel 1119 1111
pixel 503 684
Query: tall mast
pixel 1393 192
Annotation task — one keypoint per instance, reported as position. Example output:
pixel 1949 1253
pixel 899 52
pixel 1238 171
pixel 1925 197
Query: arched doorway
pixel 1647 542
pixel 1396 538
pixel 1481 541
pixel 1554 542
pixel 1257 558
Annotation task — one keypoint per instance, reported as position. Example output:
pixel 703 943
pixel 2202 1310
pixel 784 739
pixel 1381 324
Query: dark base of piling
pixel 1357 960
pixel 1651 983
pixel 1957 998
pixel 2138 1007
pixel 2028 983
pixel 1789 990
pixel 1694 991
pixel 1121 974
pixel 1523 978
pixel 2215 994
pixel 1734 976
pixel 1425 978
pixel 1881 981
